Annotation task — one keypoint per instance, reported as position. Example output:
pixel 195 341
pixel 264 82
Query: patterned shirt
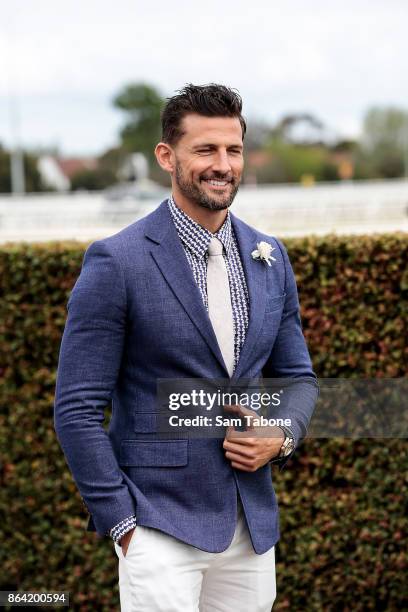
pixel 195 240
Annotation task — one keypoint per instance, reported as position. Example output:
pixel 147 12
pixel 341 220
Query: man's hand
pixel 249 450
pixel 125 540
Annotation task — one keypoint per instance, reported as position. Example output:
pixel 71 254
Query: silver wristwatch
pixel 288 445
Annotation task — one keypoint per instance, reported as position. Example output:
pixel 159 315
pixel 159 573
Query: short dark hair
pixel 209 100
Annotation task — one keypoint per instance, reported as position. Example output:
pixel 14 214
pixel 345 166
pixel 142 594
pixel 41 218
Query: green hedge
pixel 341 501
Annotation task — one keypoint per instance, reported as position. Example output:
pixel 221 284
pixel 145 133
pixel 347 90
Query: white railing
pixel 282 210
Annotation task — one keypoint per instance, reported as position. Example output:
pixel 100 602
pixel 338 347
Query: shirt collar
pixel 196 237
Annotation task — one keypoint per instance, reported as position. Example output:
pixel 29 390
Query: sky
pixel 61 64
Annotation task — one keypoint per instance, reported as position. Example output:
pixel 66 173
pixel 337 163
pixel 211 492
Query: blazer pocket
pixel 275 303
pixel 153 453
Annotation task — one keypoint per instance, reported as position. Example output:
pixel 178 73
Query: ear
pixel 165 156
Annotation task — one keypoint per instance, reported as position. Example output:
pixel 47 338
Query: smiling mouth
pixel 216 182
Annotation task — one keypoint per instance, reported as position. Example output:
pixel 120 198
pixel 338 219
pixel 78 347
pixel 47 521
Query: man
pixel 189 291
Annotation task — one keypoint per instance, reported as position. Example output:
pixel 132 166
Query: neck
pixel 212 220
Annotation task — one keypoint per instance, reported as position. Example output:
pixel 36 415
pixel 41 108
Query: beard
pixel 194 193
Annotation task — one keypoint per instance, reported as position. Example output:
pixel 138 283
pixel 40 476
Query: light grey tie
pixel 219 302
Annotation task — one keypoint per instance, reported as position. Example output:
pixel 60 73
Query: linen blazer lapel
pixel 168 254
pixel 255 274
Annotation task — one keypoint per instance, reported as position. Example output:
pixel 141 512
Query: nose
pixel 221 163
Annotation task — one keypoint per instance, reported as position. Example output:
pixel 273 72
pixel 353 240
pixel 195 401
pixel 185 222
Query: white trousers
pixel 162 574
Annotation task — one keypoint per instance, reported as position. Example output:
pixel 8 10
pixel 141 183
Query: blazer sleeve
pixel 89 362
pixel 290 360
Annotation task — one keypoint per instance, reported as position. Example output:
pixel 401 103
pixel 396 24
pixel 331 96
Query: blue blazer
pixel 135 315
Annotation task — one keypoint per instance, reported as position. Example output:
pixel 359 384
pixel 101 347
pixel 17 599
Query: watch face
pixel 289 448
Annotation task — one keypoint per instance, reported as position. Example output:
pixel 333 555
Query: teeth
pixel 217 183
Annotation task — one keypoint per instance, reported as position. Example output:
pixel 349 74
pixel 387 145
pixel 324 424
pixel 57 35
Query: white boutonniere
pixel 263 252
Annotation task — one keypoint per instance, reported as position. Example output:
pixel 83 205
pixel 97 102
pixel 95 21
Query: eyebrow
pixel 210 145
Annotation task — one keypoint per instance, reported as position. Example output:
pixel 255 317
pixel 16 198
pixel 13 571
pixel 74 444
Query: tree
pixel 299 128
pixel 291 163
pixel 257 134
pixel 92 180
pixel 142 104
pixel 384 140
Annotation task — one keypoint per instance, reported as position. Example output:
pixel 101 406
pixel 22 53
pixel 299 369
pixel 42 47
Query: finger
pixel 238 408
pixel 243 451
pixel 231 432
pixel 240 437
pixel 243 468
pixel 241 411
pixel 240 447
pixel 233 408
pixel 248 461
